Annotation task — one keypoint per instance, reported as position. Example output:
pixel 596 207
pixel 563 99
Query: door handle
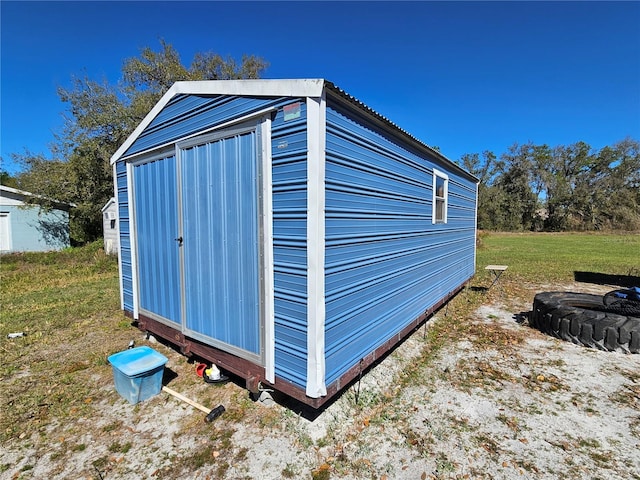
pixel 179 240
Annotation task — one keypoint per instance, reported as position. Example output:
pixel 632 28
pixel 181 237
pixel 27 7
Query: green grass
pixel 67 304
pixel 551 257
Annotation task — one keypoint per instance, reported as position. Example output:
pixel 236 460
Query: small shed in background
pixel 285 231
pixel 110 227
pixel 26 227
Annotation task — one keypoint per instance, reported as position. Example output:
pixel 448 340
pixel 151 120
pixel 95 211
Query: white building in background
pixel 110 227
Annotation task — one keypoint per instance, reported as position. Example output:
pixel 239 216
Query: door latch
pixel 179 240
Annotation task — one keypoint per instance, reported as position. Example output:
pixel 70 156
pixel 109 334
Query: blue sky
pixel 465 77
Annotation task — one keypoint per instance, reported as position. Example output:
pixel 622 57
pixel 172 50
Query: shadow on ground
pixel 606 279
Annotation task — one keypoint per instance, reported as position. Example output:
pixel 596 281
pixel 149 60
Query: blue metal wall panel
pixel 188 114
pixel 221 240
pixel 386 263
pixel 125 236
pixel 289 176
pixel 156 197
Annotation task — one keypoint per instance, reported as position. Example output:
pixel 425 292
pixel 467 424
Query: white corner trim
pixel 316 126
pixel 133 242
pixel 268 272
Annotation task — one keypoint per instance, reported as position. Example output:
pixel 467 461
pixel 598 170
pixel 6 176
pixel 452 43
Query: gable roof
pixel 111 201
pixel 21 195
pixel 313 88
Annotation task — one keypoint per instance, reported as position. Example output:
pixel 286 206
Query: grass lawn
pixel 68 304
pixel 553 257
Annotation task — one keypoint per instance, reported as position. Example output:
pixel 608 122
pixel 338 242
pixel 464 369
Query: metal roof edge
pixel 106 205
pixel 302 87
pixel 309 87
pixel 24 193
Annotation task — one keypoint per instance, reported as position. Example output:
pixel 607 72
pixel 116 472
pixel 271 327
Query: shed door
pixel 198 241
pixel 221 241
pixel 156 219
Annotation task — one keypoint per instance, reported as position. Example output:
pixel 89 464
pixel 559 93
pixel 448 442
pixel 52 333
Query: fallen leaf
pixel 215 454
pixel 524 440
pixel 505 464
pixel 366 422
pixel 540 378
pixel 423 476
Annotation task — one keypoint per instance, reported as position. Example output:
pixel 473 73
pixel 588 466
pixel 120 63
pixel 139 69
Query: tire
pixel 579 318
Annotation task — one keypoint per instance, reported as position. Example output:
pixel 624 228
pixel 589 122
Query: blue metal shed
pixel 285 231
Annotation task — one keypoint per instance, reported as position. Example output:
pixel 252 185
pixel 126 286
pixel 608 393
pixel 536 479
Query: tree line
pixel 529 187
pixel 564 188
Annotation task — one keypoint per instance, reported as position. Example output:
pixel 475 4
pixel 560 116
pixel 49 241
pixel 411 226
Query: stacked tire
pixel 582 318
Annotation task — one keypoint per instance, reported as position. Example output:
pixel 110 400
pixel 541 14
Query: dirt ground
pixel 504 401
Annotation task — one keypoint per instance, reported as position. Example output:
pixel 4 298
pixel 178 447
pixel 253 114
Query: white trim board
pixel 316 311
pixel 268 272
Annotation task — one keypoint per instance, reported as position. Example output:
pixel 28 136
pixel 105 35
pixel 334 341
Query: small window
pixel 440 196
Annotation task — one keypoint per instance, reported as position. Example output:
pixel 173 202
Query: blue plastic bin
pixel 137 373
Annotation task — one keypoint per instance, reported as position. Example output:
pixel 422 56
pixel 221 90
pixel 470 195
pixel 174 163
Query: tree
pixel 567 192
pixel 6 179
pixel 617 194
pixel 101 116
pixel 484 168
pixel 557 189
pixel 515 178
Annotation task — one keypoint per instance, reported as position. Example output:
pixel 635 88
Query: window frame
pixel 444 199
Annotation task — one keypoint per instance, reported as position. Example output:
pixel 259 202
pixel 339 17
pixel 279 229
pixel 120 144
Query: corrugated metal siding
pixel 289 208
pixel 386 263
pixel 125 236
pixel 221 240
pixel 289 154
pixel 156 197
pixel 188 114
